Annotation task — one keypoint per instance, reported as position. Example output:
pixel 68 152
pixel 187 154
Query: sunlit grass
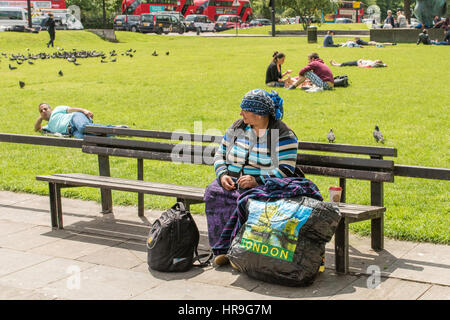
pixel 204 79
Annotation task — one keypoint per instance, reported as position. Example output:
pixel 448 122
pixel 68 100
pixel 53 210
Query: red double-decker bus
pixel 215 8
pixel 36 4
pixel 212 8
pixel 139 7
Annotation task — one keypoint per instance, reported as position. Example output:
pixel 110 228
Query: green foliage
pixel 308 9
pixel 204 79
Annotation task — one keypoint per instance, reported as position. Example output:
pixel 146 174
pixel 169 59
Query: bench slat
pixel 190 150
pixel 43 141
pixel 192 193
pixel 151 155
pixel 348 173
pixel 189 137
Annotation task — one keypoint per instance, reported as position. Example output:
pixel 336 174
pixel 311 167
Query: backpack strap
pixel 197 256
pixel 201 263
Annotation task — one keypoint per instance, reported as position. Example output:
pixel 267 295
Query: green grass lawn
pixel 283 27
pixel 204 79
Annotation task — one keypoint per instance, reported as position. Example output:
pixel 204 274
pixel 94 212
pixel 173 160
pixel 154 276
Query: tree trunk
pixel 104 14
pixel 407 8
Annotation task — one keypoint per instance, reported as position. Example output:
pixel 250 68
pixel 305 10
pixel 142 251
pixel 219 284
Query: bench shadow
pixel 111 232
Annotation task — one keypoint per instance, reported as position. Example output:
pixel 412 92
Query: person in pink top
pixel 316 71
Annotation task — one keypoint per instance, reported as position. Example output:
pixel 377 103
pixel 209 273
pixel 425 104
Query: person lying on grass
pixel 274 77
pixel 316 71
pixel 65 120
pixel 360 63
pixel 361 42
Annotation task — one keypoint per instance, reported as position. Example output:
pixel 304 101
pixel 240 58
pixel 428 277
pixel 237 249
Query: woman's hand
pixel 247 182
pixel 227 182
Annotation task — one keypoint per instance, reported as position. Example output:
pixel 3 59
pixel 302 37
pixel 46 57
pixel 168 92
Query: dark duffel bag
pixel 341 81
pixel 173 240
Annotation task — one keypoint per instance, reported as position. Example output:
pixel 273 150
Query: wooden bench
pixel 193 150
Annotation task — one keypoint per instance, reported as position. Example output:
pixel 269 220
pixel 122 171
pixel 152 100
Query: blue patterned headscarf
pixel 263 103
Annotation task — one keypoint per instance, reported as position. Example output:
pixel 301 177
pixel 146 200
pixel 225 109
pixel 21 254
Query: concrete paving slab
pixel 426 262
pixel 227 277
pixel 41 274
pixel 8 227
pixel 8 198
pixel 361 255
pixel 388 289
pixel 192 290
pixel 26 212
pixel 13 260
pixel 7 292
pixel 31 238
pixel 436 292
pixel 325 285
pixel 76 246
pixel 102 282
pixel 119 256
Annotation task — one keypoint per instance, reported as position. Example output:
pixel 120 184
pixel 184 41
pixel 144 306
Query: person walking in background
pixel 274 77
pixel 328 40
pixel 50 24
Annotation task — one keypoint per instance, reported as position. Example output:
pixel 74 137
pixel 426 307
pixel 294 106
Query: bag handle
pixel 205 263
pixel 180 205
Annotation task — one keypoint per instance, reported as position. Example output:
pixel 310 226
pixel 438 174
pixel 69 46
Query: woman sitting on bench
pixel 254 148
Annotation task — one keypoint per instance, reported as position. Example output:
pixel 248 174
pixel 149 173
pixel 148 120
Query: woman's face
pixel 250 117
pixel 281 60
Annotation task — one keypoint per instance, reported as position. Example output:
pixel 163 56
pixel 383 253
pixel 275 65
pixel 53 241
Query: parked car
pixel 126 22
pixel 260 22
pixel 161 23
pixel 343 20
pixel 200 21
pixel 226 22
pixel 12 18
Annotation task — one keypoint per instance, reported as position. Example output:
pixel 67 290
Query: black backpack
pixel 341 81
pixel 173 241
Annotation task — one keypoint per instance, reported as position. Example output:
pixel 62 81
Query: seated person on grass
pixel 444 42
pixel 424 38
pixel 274 77
pixel 316 71
pixel 360 63
pixel 65 120
pixel 361 42
pixel 328 40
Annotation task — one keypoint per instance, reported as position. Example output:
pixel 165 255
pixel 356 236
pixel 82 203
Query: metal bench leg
pixel 377 225
pixel 341 247
pixel 103 163
pixel 140 170
pixel 53 213
pixel 59 207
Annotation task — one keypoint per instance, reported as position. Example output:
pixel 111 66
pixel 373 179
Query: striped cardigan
pixel 273 155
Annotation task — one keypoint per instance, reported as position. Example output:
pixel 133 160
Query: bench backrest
pixel 192 149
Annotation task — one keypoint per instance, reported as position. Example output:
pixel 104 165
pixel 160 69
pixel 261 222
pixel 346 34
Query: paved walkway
pixel 104 257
